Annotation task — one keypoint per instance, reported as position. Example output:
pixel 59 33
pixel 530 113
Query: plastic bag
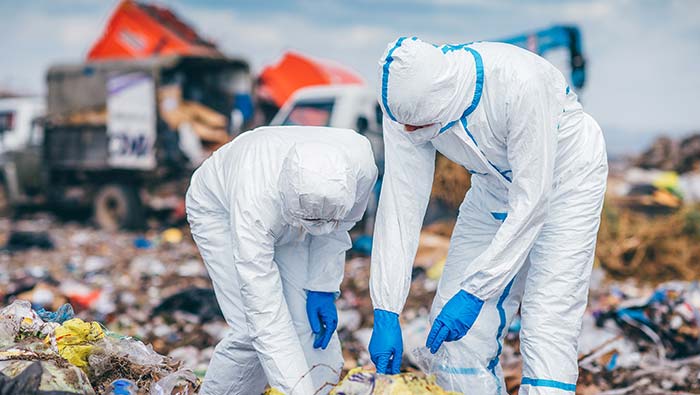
pixel 181 382
pixel 75 340
pixel 21 318
pixel 132 349
pixel 460 372
pixel 365 382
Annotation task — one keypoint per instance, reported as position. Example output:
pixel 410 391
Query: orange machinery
pixel 278 82
pixel 138 30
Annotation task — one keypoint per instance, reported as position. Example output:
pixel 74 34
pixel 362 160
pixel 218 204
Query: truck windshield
pixel 311 113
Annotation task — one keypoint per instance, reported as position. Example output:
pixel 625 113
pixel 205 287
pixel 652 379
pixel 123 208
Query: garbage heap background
pixel 149 315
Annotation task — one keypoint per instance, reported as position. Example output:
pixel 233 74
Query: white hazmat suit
pixel 526 232
pixel 270 213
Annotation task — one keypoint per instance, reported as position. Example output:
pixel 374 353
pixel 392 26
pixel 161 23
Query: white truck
pixel 20 148
pixel 340 106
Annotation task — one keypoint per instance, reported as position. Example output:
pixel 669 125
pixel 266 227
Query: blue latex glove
pixel 320 308
pixel 386 345
pixel 455 319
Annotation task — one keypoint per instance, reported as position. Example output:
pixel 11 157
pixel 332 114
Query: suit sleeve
pixel 403 201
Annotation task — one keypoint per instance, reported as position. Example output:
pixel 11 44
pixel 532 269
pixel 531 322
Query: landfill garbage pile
pixel 643 344
pixel 661 180
pixel 451 182
pixel 150 286
pixel 66 355
pixel 649 249
pixel 668 322
pixel 152 289
pixel 668 154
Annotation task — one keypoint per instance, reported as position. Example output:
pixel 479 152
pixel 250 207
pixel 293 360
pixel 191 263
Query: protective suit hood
pixel 422 84
pixel 317 187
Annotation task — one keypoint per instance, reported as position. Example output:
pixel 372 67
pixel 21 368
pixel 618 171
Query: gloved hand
pixel 386 344
pixel 455 319
pixel 323 317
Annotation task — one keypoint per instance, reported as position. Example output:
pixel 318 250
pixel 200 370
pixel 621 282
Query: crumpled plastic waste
pixel 18 320
pixel 75 340
pixel 101 359
pixel 666 321
pixel 132 349
pixel 42 377
pixel 21 314
pixel 181 382
pixel 363 382
pixel 64 313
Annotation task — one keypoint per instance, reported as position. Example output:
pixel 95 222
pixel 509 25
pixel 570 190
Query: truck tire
pixel 118 207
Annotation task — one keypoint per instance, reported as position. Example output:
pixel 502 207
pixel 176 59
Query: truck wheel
pixel 118 207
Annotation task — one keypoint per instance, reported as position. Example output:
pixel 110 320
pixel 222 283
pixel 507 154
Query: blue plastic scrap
pixel 64 313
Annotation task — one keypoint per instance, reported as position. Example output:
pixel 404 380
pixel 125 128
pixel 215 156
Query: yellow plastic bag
pixel 435 271
pixel 359 381
pixel 74 340
pixel 172 236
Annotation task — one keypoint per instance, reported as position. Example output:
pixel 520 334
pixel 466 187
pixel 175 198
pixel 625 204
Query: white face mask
pixel 318 228
pixel 424 134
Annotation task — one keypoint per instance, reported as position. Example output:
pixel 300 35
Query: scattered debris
pixel 78 357
pixel 24 240
pixel 668 154
pixel 162 296
pixel 42 378
pixel 200 302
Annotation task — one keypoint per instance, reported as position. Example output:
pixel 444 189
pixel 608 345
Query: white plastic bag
pixel 462 372
pixel 181 382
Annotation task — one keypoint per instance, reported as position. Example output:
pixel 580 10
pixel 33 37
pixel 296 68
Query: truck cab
pixel 340 106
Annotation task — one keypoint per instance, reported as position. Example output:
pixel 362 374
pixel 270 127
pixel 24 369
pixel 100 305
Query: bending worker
pixel 270 213
pixel 526 231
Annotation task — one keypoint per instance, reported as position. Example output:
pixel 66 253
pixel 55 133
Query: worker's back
pixel 249 167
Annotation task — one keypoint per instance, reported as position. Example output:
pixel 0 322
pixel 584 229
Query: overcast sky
pixel 643 56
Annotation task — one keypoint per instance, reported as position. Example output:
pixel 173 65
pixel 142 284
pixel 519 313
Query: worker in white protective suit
pixel 526 231
pixel 270 213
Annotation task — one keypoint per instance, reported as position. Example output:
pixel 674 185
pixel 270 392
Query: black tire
pixel 118 207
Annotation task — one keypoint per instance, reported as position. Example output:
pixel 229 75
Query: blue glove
pixel 320 308
pixel 386 345
pixel 455 319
